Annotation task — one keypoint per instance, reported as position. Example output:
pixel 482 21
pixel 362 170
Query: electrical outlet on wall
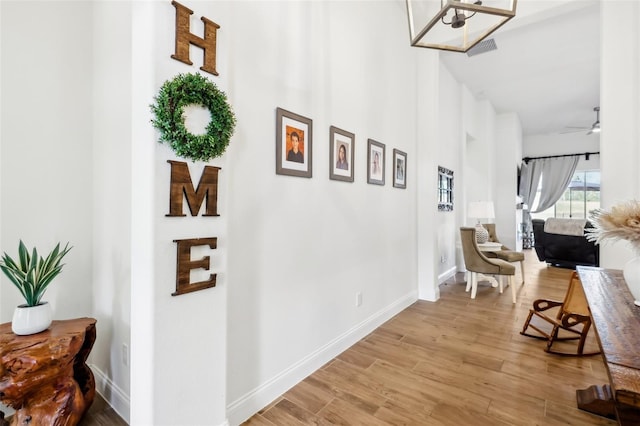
pixel 443 259
pixel 358 299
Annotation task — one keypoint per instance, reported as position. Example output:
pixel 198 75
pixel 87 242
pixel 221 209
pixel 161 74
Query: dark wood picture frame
pixel 341 140
pixel 292 129
pixel 375 162
pixel 399 169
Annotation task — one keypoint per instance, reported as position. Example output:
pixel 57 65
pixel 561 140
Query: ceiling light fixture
pixel 459 24
pixel 595 127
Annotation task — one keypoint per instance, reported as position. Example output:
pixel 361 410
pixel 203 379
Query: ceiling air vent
pixel 482 47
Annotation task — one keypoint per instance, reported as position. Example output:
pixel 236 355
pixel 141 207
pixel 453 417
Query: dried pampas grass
pixel 622 222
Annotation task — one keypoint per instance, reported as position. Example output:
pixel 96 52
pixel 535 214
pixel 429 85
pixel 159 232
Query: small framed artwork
pixel 341 153
pixel 375 162
pixel 445 189
pixel 293 144
pixel 399 169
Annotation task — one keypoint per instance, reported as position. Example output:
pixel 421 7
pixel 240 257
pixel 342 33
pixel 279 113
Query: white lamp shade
pixel 481 210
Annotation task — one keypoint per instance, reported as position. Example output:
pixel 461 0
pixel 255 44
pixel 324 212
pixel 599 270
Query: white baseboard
pixel 249 404
pixel 447 274
pixel 111 393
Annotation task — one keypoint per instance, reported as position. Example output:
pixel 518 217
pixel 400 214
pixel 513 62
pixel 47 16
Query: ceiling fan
pixel 595 127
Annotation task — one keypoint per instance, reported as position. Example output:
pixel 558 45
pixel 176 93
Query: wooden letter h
pixel 184 38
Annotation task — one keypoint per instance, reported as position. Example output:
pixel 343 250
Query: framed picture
pixel 375 162
pixel 399 169
pixel 341 154
pixel 445 189
pixel 293 144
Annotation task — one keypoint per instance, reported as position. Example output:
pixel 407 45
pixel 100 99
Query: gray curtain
pixel 556 174
pixel 529 180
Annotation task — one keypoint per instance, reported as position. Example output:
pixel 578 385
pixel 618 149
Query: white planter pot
pixel 631 272
pixel 31 319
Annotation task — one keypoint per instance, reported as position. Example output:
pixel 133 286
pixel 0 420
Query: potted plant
pixel 32 274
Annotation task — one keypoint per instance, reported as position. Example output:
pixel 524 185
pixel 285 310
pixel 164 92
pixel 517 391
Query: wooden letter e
pixel 184 265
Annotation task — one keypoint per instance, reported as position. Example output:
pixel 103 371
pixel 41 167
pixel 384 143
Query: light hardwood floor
pixel 453 362
pixel 99 414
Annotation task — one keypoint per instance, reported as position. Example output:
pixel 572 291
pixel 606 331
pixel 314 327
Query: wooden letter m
pixel 182 187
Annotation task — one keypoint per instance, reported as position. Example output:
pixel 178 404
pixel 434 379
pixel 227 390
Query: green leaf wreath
pixel 193 89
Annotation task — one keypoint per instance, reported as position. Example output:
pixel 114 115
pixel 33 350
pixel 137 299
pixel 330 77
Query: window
pixel 579 199
pixel 445 189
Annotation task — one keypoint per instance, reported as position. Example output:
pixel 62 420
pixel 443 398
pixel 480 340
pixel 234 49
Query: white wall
pixel 568 143
pixel 112 170
pixel 507 156
pixel 46 146
pixel 427 121
pixel 484 150
pixel 187 333
pixel 46 192
pixel 300 249
pixel 480 144
pixel 620 108
pixel 143 250
pixel 489 140
pixel 448 151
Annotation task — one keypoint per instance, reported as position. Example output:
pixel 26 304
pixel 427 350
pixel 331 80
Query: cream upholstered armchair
pixel 477 263
pixel 506 253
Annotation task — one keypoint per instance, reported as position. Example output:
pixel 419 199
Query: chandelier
pixel 459 24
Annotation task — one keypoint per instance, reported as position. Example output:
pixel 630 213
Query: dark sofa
pixel 566 251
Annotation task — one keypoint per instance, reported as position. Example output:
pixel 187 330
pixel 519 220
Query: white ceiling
pixel 546 67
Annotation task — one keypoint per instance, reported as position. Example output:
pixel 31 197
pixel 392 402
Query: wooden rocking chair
pixel 573 316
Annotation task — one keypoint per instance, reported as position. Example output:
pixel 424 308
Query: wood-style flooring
pixel 453 362
pixel 99 414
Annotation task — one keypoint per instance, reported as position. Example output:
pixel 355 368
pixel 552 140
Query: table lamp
pixel 481 210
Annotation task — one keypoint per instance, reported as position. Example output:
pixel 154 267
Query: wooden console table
pixel 44 376
pixel 617 324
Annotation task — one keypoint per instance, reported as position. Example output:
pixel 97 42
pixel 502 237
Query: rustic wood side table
pixel 616 322
pixel 44 376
